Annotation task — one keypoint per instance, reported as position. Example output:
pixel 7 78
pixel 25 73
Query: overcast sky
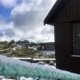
pixel 23 19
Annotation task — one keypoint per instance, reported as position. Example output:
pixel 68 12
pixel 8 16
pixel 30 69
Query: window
pixel 76 39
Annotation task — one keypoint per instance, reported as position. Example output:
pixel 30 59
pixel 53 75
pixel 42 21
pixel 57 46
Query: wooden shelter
pixel 65 17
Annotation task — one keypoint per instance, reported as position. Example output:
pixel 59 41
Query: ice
pixel 15 68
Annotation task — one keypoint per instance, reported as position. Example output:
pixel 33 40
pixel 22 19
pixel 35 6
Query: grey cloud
pixel 48 30
pixel 29 18
pixel 25 21
pixel 32 18
pixel 1 34
pixel 7 34
pixel 10 33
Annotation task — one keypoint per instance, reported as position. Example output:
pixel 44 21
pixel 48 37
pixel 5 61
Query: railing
pixel 36 60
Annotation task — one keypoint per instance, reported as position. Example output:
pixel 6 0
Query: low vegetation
pixel 16 49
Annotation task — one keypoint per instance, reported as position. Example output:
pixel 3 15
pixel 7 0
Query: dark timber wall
pixel 63 23
pixel 63 17
pixel 63 45
pixel 69 13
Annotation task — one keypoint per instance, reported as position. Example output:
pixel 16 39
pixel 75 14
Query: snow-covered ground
pixel 24 78
pixel 21 78
pixel 11 60
pixel 15 68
